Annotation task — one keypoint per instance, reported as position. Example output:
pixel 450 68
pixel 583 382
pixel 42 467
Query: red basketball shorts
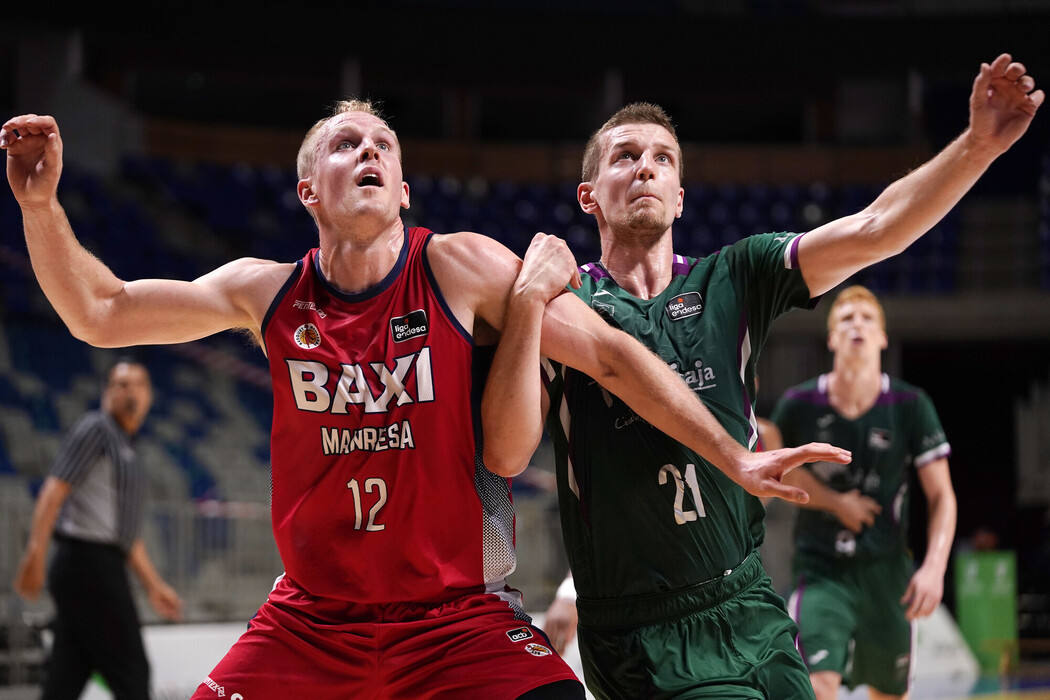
pixel 471 647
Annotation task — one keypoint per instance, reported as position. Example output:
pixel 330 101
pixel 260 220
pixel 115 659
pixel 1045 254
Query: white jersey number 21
pixel 682 516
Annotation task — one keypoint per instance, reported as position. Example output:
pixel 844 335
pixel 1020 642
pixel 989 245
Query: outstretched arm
pixel 482 273
pixel 927 584
pixel 95 304
pixel 1002 105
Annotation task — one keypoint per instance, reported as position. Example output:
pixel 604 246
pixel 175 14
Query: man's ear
pixel 585 196
pixel 306 193
pixel 404 195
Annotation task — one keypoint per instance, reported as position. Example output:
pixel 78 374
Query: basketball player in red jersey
pixel 394 537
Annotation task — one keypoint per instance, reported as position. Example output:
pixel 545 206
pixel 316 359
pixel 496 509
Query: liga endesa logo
pixel 684 305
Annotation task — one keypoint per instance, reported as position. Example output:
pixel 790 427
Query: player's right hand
pixel 856 511
pixel 548 268
pixel 29 580
pixel 34 158
pixel 763 473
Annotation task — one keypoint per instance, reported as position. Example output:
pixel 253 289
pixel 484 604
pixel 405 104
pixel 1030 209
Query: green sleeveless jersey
pixel 641 513
pixel 900 430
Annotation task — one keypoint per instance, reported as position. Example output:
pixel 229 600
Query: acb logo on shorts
pixel 520 634
pixel 537 649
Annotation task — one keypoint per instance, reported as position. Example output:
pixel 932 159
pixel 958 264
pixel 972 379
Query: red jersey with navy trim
pixel 378 491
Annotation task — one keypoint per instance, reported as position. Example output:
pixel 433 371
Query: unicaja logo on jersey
pixel 307 336
pixel 684 306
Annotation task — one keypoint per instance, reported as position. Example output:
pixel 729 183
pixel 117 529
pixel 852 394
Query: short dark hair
pixel 123 360
pixel 634 113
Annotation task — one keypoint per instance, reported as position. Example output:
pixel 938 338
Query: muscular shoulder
pixel 471 254
pixel 475 274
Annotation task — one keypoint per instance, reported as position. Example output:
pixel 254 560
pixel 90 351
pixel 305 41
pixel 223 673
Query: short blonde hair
pixel 634 113
pixel 854 293
pixel 304 162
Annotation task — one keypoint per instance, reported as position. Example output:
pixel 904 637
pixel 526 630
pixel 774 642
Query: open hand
pixel 763 472
pixel 924 593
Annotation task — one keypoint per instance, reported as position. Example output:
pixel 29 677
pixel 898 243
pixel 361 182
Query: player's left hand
pixel 924 593
pixel 166 602
pixel 763 473
pixel 1003 102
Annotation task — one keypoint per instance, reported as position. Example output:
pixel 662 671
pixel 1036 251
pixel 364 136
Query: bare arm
pixel 29 580
pixel 853 509
pixel 161 596
pixel 926 587
pixel 514 402
pixel 483 272
pixel 1002 106
pixel 95 304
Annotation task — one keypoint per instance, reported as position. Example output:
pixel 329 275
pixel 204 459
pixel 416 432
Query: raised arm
pixel 482 273
pixel 926 587
pixel 1002 105
pixel 95 304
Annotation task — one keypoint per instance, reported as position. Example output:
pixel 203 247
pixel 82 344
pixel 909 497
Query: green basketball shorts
pixel 727 638
pixel 851 620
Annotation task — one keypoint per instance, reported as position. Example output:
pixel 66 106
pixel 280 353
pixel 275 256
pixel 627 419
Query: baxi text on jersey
pixel 342 441
pixel 374 389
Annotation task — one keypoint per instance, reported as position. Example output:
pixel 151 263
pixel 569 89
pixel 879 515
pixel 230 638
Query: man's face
pixel 856 330
pixel 357 171
pixel 637 189
pixel 128 393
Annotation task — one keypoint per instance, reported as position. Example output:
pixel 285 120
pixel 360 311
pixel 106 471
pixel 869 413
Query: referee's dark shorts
pixel 97 626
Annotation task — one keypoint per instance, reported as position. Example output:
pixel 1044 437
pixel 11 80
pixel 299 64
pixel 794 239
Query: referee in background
pixel 92 501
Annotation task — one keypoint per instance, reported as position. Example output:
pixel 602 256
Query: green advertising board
pixel 986 607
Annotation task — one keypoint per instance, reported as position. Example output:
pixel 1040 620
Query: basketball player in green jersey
pixel 673 600
pixel 856 596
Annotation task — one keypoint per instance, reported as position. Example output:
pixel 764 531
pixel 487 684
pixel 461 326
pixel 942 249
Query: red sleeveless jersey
pixel 379 494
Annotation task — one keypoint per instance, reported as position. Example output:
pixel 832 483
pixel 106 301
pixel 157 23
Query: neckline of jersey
pixel 650 300
pixel 369 292
pixel 884 389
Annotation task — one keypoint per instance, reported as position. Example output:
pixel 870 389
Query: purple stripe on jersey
pixel 895 397
pixel 793 247
pixel 680 266
pixel 595 270
pixel 812 396
pixel 740 366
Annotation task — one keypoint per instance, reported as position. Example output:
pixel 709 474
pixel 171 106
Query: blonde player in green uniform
pixel 673 599
pixel 857 594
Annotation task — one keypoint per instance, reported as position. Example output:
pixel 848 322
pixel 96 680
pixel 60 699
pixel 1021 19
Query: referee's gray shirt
pixel 99 462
